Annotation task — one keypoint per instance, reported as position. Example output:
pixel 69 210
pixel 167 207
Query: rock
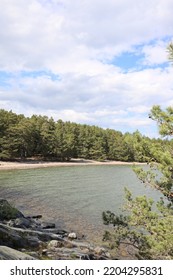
pixel 46 225
pixel 108 255
pixel 7 253
pixel 72 235
pixel 44 252
pixel 34 217
pixel 33 242
pixel 99 250
pixel 51 256
pixel 23 238
pixel 8 212
pixel 23 250
pixel 54 244
pixel 69 244
pixel 34 255
pixel 84 257
pixel 27 233
pixel 85 251
pixel 22 223
pixel 9 237
pixel 55 231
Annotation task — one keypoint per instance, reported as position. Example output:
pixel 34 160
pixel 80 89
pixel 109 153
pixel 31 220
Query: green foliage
pixel 138 146
pixel 160 232
pixel 164 119
pixel 149 225
pixel 170 51
pixel 111 218
pixel 40 136
pixel 149 231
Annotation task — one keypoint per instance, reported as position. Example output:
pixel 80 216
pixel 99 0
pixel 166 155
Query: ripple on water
pixel 73 197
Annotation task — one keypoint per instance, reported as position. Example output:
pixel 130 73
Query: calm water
pixel 73 197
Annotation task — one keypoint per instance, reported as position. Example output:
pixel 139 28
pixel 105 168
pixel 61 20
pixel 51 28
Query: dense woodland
pixel 42 137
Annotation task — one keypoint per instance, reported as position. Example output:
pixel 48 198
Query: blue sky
pixel 100 62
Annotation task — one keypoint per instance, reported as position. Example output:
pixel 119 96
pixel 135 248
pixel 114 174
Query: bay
pixel 74 196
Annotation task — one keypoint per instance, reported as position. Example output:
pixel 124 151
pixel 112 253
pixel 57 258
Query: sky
pixel 98 62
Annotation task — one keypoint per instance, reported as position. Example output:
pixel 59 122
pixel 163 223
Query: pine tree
pixel 149 231
pixel 148 226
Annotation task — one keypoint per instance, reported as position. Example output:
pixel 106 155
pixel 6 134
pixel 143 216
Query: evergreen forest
pixel 41 137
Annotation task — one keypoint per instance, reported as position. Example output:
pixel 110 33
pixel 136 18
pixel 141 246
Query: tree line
pixel 40 136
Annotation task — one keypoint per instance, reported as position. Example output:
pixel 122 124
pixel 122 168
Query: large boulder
pixel 7 253
pixel 24 238
pixel 8 212
pixel 18 238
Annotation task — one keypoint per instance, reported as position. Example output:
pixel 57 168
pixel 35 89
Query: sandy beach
pixel 9 165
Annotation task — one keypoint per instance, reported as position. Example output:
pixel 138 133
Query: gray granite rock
pixel 47 225
pixel 7 253
pixel 22 223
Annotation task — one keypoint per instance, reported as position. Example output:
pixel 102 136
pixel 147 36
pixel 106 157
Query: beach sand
pixel 9 165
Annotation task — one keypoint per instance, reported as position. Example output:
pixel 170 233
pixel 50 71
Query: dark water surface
pixel 74 197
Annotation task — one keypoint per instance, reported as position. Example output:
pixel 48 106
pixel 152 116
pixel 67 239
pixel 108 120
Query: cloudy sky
pixel 99 62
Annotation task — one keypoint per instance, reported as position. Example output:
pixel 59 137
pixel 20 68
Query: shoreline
pixel 31 164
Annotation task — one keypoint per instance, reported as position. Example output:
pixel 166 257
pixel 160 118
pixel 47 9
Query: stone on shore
pixel 55 244
pixel 20 223
pixel 99 250
pixel 7 253
pixel 8 212
pixel 18 238
pixel 41 239
pixel 72 235
pixel 46 225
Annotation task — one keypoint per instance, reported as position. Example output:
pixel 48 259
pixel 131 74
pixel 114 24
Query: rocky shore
pixel 32 238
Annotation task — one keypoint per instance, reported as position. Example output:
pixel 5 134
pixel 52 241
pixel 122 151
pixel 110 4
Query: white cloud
pixel 73 116
pixel 139 109
pixel 77 31
pixel 132 122
pixel 155 54
pixel 99 100
pixel 78 41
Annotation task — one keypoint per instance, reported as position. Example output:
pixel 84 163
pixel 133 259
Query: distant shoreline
pixel 28 164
